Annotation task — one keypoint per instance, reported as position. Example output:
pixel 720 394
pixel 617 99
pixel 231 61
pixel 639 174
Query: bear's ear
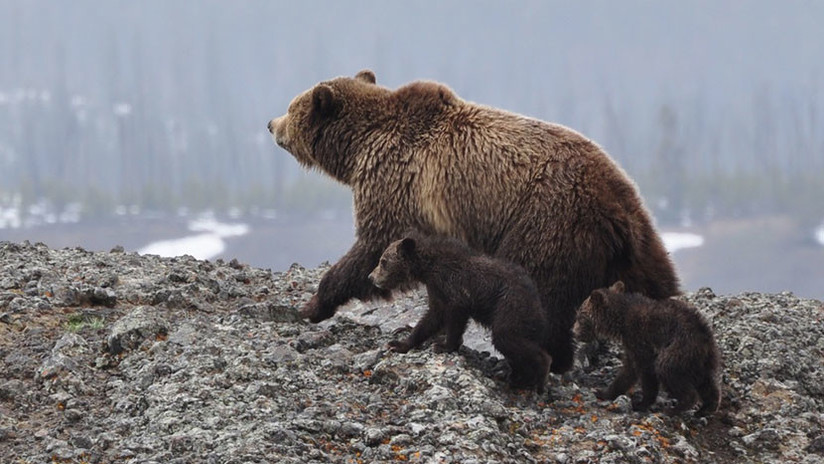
pixel 618 287
pixel 407 247
pixel 366 76
pixel 324 101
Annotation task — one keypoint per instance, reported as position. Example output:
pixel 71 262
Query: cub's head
pixel 394 268
pixel 594 318
pixel 323 123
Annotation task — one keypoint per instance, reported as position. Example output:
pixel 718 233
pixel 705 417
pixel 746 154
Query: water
pixel 769 254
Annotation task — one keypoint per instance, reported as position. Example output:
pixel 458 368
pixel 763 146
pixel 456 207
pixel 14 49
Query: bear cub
pixel 665 342
pixel 462 283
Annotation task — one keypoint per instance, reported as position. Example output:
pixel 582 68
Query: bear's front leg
pixel 347 279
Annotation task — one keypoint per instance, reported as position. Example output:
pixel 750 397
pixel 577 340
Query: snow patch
pixel 819 234
pixel 674 241
pixel 206 245
pixel 203 246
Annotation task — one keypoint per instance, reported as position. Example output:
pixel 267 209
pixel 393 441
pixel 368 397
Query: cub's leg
pixel 456 320
pixel 649 387
pixel 625 379
pixel 429 325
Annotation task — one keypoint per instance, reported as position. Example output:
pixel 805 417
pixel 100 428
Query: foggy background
pixel 143 124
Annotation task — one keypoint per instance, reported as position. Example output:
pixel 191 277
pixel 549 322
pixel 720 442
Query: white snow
pixel 819 234
pixel 205 245
pixel 202 246
pixel 10 218
pixel 674 241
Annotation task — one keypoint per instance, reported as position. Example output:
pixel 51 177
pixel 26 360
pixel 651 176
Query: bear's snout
pixel 374 279
pixel 277 130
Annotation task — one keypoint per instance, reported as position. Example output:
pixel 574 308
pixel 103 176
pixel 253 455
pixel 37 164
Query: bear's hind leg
pixel 528 361
pixel 710 395
pixel 680 387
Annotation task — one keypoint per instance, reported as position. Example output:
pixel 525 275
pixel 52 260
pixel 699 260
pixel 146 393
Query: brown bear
pixel 665 342
pixel 534 193
pixel 463 284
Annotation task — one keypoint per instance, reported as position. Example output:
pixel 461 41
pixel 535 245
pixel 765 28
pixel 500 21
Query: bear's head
pixel 596 316
pixel 395 266
pixel 324 124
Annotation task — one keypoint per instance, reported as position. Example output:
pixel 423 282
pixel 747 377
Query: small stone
pixel 81 441
pixel 12 389
pixel 281 354
pixel 373 436
pixel 622 405
pixel 350 430
pixel 72 415
pixel 401 440
pixel 562 458
pixel 104 296
pixel 131 330
pixel 816 445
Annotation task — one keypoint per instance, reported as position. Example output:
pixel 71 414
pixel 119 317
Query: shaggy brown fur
pixel 666 342
pixel 461 284
pixel 538 194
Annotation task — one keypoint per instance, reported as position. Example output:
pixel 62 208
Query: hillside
pixel 116 357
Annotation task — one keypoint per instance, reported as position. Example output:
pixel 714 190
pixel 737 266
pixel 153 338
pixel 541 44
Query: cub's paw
pixel 400 346
pixel 442 347
pixel 604 394
pixel 641 404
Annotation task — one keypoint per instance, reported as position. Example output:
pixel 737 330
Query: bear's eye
pixel 383 262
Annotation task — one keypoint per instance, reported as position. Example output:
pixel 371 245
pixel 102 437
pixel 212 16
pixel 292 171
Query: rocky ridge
pixel 116 357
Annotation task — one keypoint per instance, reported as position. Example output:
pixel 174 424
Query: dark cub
pixel 462 284
pixel 665 341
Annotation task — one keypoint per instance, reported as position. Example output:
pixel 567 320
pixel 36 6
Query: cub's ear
pixel 618 287
pixel 598 299
pixel 366 76
pixel 407 247
pixel 324 101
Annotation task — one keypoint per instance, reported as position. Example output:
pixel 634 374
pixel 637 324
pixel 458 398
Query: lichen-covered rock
pixel 142 323
pixel 196 362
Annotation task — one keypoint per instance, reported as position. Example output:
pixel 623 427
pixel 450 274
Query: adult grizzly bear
pixel 538 194
pixel 463 284
pixel 665 342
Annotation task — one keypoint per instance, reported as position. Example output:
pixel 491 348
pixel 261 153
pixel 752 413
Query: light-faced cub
pixel 665 341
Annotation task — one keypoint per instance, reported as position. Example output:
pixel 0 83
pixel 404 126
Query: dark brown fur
pixel 464 284
pixel 665 342
pixel 538 194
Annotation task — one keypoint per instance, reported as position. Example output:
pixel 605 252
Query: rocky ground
pixel 115 357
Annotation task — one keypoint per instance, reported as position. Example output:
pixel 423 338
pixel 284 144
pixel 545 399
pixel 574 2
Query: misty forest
pixel 157 110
